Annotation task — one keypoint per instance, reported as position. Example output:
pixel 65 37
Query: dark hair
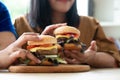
pixel 40 14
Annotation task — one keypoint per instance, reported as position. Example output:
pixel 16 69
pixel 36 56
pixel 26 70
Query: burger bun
pixel 66 29
pixel 45 39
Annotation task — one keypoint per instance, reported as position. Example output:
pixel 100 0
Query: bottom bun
pixel 43 63
pixel 47 63
pixel 32 63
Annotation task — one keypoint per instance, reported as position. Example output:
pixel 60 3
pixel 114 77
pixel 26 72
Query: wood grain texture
pixel 49 69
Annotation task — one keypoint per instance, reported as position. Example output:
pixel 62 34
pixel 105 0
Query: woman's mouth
pixel 63 1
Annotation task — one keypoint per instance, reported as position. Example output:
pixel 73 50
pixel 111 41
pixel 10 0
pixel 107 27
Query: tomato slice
pixel 43 45
pixel 46 45
pixel 71 34
pixel 32 46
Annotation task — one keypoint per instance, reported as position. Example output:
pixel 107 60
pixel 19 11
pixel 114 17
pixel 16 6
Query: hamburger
pixel 68 38
pixel 45 50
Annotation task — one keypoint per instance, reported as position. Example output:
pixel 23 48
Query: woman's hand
pixel 14 51
pixel 91 57
pixel 76 57
pixel 49 29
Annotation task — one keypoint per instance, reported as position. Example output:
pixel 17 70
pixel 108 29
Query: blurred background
pixel 106 11
pixel 16 8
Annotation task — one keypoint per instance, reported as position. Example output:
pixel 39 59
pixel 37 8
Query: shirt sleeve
pixel 5 20
pixel 94 31
pixel 105 45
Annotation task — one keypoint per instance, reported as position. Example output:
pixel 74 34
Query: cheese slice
pixel 57 36
pixel 42 48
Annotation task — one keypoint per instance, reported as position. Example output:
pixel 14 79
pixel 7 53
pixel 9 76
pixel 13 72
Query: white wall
pixel 107 10
pixel 108 13
pixel 82 6
pixel 111 29
pixel 117 11
pixel 103 10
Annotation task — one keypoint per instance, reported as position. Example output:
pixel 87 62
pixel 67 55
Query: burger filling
pixel 34 48
pixel 70 38
pixel 46 52
pixel 53 59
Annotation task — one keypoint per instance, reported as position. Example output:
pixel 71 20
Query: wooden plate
pixel 49 69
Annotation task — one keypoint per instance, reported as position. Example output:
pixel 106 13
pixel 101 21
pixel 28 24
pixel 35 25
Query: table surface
pixel 93 74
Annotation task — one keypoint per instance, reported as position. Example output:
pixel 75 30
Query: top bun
pixel 45 39
pixel 66 29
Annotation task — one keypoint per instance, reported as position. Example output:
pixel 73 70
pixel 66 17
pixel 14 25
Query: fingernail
pixel 38 61
pixel 40 37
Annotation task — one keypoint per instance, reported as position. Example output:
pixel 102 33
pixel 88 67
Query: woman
pixel 7 30
pixel 100 51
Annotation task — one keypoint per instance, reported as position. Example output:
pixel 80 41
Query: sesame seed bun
pixel 66 29
pixel 46 39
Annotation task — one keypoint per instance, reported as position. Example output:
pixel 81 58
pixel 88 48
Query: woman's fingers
pixel 49 29
pixel 28 36
pixel 32 57
pixel 78 55
pixel 75 55
pixel 93 46
pixel 71 61
pixel 22 53
pixel 54 26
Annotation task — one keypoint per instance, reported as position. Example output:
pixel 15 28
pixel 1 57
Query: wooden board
pixel 49 69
